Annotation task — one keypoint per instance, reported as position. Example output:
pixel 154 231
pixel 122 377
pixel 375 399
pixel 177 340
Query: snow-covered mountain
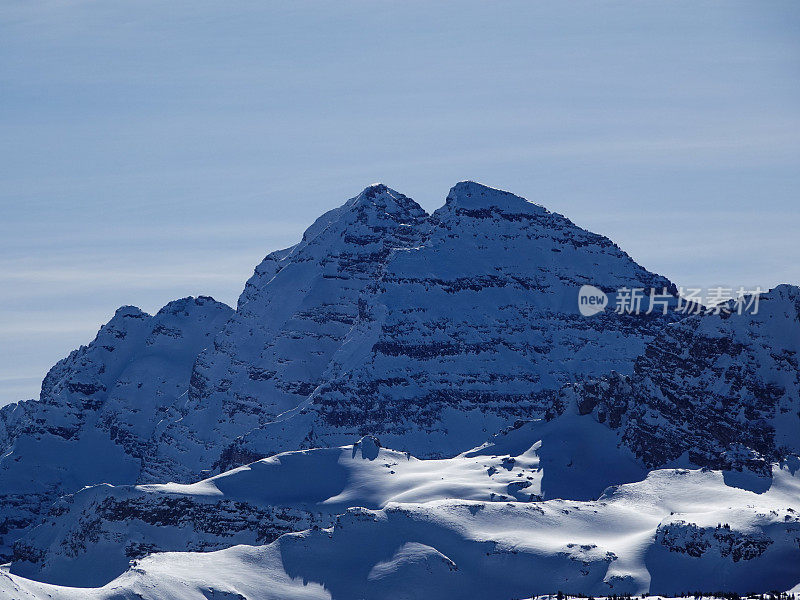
pixel 432 332
pixel 89 537
pixel 99 408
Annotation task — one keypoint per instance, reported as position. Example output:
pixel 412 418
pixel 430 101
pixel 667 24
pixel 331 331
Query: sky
pixel 155 150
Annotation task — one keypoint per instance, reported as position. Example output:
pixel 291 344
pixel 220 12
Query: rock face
pixel 719 390
pixel 99 407
pixel 688 538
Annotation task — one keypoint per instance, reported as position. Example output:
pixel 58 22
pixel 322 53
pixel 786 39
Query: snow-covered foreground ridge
pixel 678 530
pixel 431 332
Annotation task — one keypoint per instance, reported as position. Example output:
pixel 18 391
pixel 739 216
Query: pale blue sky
pixel 152 150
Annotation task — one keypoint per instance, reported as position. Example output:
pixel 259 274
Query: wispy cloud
pixel 155 150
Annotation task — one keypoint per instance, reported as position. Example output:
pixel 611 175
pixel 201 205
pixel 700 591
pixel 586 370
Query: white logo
pixel 591 300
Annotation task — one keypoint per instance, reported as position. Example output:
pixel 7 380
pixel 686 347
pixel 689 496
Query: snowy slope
pixel 89 537
pixel 677 530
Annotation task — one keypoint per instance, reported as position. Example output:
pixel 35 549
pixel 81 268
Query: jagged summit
pixel 785 292
pixel 382 199
pixel 373 191
pixel 465 200
pixel 375 203
pixel 172 307
pixel 183 305
pixel 128 310
pixel 471 195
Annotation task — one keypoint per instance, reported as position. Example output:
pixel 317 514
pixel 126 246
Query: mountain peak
pixel 385 199
pixel 130 311
pixel 471 195
pixel 375 199
pixel 184 305
pixel 786 290
pixel 377 188
pixel 374 193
